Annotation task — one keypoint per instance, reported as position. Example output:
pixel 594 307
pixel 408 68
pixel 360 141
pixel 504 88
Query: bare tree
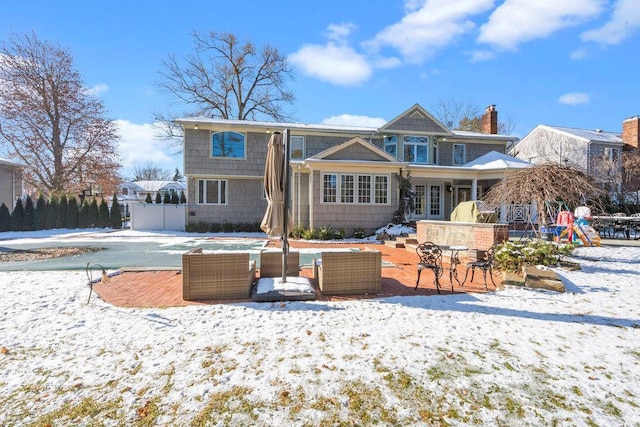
pixel 458 114
pixel 229 79
pixel 546 182
pixel 150 172
pixel 451 112
pixel 50 122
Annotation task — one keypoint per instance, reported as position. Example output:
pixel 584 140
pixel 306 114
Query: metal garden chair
pixel 430 258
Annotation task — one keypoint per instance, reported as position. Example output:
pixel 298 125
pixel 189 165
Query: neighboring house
pixel 342 176
pixel 595 151
pixel 10 183
pixel 138 190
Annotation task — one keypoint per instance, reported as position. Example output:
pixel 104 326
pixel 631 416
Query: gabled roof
pixel 496 160
pixel 353 141
pixel 417 114
pixel 589 135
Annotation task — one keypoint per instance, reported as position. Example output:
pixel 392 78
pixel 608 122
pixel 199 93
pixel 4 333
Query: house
pixel 593 150
pixel 10 183
pixel 138 190
pixel 346 177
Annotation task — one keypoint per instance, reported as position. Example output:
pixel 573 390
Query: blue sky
pixel 572 63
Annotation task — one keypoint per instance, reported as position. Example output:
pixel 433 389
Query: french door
pixel 427 202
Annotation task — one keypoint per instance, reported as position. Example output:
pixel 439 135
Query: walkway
pixel 163 288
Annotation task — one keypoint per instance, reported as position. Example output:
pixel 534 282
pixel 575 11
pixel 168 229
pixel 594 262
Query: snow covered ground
pixel 513 357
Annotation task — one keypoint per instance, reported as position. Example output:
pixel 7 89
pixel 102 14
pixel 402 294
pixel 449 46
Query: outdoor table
pixel 620 223
pixel 454 261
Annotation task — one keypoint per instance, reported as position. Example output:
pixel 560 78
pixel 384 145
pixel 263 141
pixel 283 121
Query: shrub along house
pixel 345 177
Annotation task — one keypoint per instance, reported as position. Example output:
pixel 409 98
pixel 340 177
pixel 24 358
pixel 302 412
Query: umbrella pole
pixel 285 205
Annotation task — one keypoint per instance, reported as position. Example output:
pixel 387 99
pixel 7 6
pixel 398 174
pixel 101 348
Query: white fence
pixel 151 216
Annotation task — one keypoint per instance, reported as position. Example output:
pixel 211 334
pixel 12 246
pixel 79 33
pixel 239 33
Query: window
pixel 347 188
pixel 435 192
pixel 329 188
pixel 459 154
pixel 296 147
pixel 370 188
pixel 228 144
pixel 381 189
pixel 391 144
pixel 125 191
pixel 364 188
pixel 416 149
pixel 212 191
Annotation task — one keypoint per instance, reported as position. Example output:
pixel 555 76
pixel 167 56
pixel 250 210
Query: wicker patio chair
pixel 349 273
pixel 431 259
pixel 271 263
pixel 217 275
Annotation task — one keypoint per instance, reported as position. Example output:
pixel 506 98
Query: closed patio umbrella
pixel 277 220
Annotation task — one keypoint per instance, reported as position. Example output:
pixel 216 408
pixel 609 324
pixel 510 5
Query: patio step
pixel 394 244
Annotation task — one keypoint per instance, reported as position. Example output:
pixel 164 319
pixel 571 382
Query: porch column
pixel 474 189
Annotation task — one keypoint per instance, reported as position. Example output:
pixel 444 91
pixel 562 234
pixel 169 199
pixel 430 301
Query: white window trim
pixel 406 140
pixel 244 138
pixel 464 154
pixel 226 192
pixel 304 146
pixel 356 181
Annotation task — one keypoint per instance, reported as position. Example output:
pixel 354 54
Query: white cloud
pixel 624 21
pixel 339 33
pixel 386 63
pixel 519 21
pixel 482 55
pixel 579 54
pixel 426 29
pixel 97 89
pixel 354 120
pixel 574 98
pixel 340 65
pixel 139 145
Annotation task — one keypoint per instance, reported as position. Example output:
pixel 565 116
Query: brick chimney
pixel 490 120
pixel 630 134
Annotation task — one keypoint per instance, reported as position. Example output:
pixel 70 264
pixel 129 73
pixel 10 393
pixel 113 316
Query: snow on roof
pixel 9 163
pixel 591 135
pixel 275 126
pixel 321 127
pixel 158 185
pixel 496 160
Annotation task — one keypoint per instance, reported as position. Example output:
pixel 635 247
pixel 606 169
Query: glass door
pixel 419 201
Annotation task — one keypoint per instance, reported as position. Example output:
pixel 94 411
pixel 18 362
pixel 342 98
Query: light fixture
pixel 450 188
pixel 196 127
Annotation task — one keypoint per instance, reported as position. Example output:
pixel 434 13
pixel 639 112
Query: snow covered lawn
pixel 514 357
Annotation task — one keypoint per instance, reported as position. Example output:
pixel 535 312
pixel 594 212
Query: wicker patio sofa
pixel 271 263
pixel 217 275
pixel 349 273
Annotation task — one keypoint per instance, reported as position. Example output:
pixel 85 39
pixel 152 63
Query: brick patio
pixel 163 287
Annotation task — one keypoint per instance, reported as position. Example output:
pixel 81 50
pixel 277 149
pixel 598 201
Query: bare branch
pixel 49 122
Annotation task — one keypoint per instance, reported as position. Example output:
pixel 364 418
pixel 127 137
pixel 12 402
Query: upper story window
pixel 228 144
pixel 125 191
pixel 391 144
pixel 416 148
pixel 459 154
pixel 296 148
